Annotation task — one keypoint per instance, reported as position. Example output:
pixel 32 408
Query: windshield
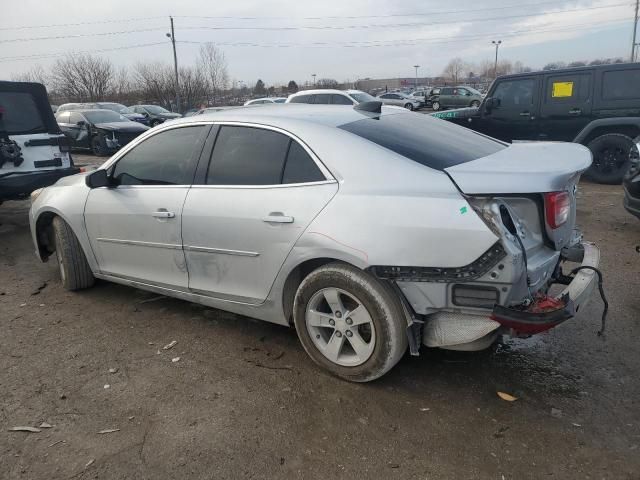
pixel 362 97
pixel 279 100
pixel 115 107
pixel 156 109
pixel 103 116
pixel 429 141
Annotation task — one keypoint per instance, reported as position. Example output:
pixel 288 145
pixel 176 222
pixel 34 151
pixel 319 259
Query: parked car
pixel 631 181
pixel 101 131
pixel 33 151
pixel 287 214
pixel 400 100
pixel 116 107
pixel 595 106
pixel 265 101
pixel 330 97
pixel 456 97
pixel 433 94
pixel 155 114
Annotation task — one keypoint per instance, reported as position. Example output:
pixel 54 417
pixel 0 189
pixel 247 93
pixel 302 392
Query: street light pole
pixel 172 36
pixel 495 68
pixel 314 79
pixel 417 67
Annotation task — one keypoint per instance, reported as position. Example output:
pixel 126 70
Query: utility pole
pixel 172 36
pixel 417 67
pixel 635 29
pixel 314 79
pixel 495 68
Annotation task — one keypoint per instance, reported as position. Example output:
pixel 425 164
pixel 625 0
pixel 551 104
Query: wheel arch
pixel 629 126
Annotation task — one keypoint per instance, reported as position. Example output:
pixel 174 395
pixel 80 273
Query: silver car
pixel 371 230
pixel 400 99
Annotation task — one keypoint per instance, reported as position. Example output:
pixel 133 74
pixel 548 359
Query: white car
pixel 265 101
pixel 370 229
pixel 330 97
pixel 400 99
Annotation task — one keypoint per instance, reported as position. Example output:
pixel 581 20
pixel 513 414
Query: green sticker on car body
pixel 445 114
pixel 463 210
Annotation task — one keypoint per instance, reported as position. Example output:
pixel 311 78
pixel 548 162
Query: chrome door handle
pixel 575 111
pixel 525 114
pixel 277 217
pixel 163 214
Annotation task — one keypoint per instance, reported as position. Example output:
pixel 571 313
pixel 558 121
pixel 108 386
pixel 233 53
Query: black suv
pixel 596 106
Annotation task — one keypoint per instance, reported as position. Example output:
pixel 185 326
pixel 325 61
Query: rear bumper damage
pixel 475 331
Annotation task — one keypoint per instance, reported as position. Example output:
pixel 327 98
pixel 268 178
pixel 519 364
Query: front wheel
pixel 408 106
pixel 349 322
pixel 475 103
pixel 155 123
pixel 610 158
pixel 435 106
pixel 75 272
pixel 98 147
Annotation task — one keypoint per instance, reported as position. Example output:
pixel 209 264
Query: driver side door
pixel 134 226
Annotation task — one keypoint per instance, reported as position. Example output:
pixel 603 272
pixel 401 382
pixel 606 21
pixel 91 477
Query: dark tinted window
pixel 323 98
pixel 20 113
pixel 446 91
pixel 300 167
pixel 302 99
pixel 515 93
pixel 340 100
pixel 621 85
pixel 168 158
pixel 247 156
pixel 435 143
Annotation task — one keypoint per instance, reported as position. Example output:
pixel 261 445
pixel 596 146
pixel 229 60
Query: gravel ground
pixel 244 401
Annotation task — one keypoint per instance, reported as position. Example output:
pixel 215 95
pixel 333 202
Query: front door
pixel 261 191
pixel 515 117
pixel 135 226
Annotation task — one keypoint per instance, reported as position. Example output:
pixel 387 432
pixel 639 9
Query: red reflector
pixel 556 208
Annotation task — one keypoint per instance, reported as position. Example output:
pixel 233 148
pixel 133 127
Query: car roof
pixel 317 91
pixel 569 70
pixel 92 110
pixel 285 114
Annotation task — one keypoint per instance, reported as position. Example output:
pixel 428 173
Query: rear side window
pixel 431 142
pixel 340 100
pixel 167 158
pixel 302 99
pixel 323 98
pixel 20 113
pixel 446 91
pixel 247 156
pixel 300 167
pixel 621 85
pixel 567 88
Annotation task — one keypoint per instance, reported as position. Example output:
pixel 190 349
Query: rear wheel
pixel 98 146
pixel 349 323
pixel 75 272
pixel 435 106
pixel 610 158
pixel 408 106
pixel 155 123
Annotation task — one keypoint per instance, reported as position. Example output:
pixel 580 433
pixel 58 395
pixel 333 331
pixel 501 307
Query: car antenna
pixel 371 107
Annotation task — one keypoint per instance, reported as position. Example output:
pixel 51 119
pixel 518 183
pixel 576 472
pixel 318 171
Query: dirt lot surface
pixel 244 401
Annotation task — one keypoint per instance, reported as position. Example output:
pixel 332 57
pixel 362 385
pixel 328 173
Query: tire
pixel 155 123
pixel 408 106
pixel 98 148
pixel 378 331
pixel 475 104
pixel 75 272
pixel 435 106
pixel 610 158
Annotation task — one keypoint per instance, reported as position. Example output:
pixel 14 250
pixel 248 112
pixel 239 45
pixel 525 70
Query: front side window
pixel 20 113
pixel 167 158
pixel 156 109
pixel 515 93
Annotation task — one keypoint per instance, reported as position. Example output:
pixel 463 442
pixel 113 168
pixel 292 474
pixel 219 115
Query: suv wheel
pixel 98 148
pixel 349 322
pixel 475 103
pixel 408 106
pixel 435 106
pixel 610 158
pixel 75 272
pixel 154 123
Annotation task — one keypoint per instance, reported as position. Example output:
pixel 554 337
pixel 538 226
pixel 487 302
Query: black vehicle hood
pixel 122 126
pixel 467 112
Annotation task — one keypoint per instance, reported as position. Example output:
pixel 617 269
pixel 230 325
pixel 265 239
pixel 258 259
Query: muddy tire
pixel 349 322
pixel 610 158
pixel 75 272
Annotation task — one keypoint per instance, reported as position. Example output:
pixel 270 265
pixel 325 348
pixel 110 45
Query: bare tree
pixel 36 74
pixel 454 69
pixel 193 87
pixel 156 82
pixel 327 83
pixel 214 65
pixel 82 77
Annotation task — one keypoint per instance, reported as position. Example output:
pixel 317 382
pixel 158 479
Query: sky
pixel 281 40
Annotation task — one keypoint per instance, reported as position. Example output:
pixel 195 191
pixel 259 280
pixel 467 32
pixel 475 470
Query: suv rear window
pixel 429 141
pixel 20 113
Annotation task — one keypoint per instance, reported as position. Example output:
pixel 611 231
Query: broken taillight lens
pixel 557 206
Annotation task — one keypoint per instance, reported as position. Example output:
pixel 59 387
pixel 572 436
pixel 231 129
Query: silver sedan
pixel 371 230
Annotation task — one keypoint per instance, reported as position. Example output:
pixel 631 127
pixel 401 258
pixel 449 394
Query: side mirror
pixel 98 179
pixel 490 103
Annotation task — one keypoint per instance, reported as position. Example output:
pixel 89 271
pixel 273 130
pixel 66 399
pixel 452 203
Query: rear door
pixel 446 98
pixel 262 189
pixel 516 116
pixel 566 105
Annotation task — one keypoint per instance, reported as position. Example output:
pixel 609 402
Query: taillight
pixel 557 206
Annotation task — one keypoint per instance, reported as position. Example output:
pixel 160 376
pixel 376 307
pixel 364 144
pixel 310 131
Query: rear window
pixel 429 141
pixel 20 113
